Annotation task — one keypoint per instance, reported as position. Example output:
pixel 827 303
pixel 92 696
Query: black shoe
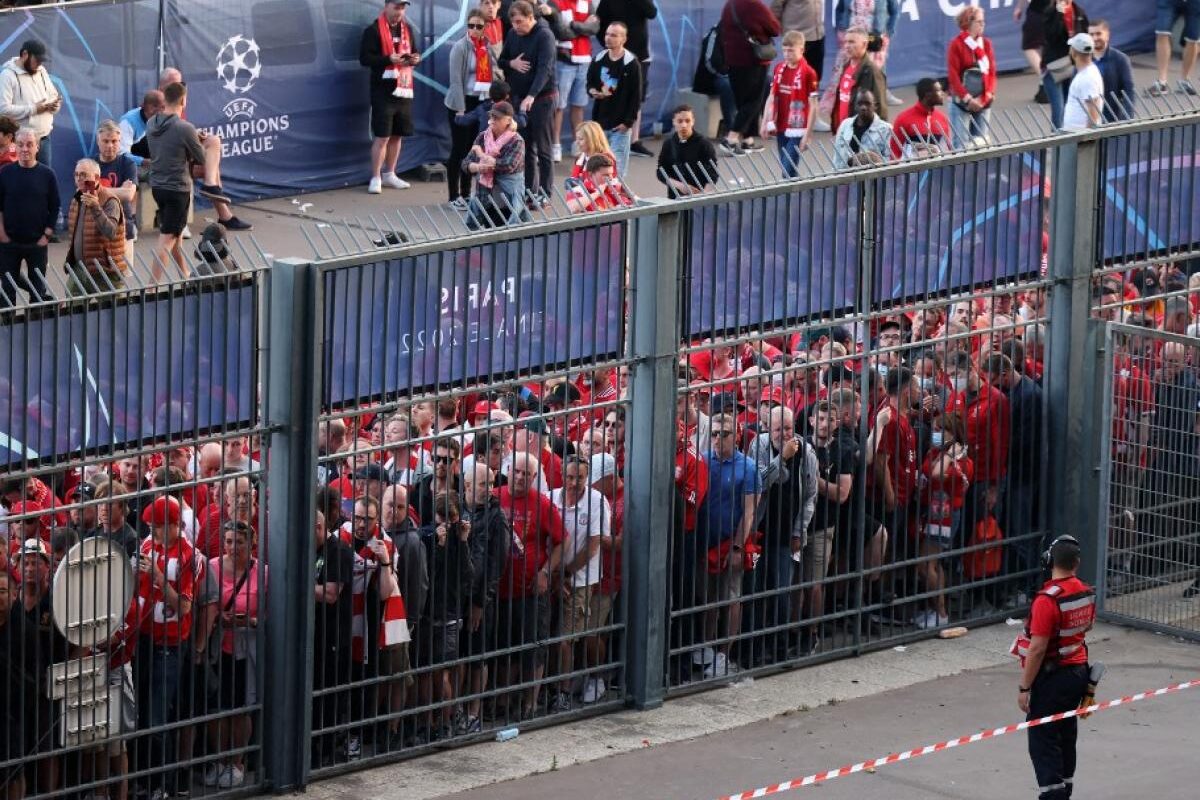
pixel 1193 590
pixel 1041 97
pixel 53 238
pixel 235 224
pixel 639 149
pixel 213 193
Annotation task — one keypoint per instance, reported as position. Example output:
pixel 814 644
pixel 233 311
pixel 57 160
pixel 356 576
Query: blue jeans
pixel 780 571
pixel 966 125
pixel 44 154
pixel 1057 94
pixel 728 100
pixel 618 142
pixel 789 153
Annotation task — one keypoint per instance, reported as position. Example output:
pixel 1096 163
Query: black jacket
pixel 538 48
pixel 491 538
pixel 625 76
pixel 1057 33
pixel 370 55
pixel 635 14
pixel 450 574
pixel 412 570
pixel 421 496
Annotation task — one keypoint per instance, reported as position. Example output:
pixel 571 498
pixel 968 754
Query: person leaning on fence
pixel 791 107
pixel 687 162
pixel 971 71
pixel 865 139
pixel 921 129
pixel 600 189
pixel 497 159
pixel 95 259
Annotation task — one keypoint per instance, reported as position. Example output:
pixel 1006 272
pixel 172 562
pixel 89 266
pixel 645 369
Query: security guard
pixel 1054 656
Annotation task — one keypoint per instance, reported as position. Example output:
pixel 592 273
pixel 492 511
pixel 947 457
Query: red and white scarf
pixel 403 73
pixel 492 145
pixel 976 47
pixel 393 625
pixel 483 67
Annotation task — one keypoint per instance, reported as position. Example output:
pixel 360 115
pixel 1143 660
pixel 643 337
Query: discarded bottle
pixel 507 733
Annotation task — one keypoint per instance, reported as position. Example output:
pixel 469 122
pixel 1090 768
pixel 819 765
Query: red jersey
pixel 1064 611
pixel 793 88
pixel 610 564
pixel 182 570
pixel 898 444
pixel 537 529
pixel 987 420
pixel 944 495
pixel 917 125
pixel 844 98
pixel 1133 398
pixel 691 481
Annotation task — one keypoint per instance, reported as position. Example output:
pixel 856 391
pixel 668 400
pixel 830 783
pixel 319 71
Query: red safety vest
pixel 1076 603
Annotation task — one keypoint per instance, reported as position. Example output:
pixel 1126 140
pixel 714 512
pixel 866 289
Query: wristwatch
pixel 1022 689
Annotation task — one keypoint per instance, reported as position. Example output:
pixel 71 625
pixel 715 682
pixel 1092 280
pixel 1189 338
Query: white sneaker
pixel 593 690
pixel 394 181
pixel 926 620
pixel 375 186
pixel 231 777
pixel 702 656
pixel 187 232
pixel 353 748
pixel 212 773
pixel 556 153
pixel 892 100
pixel 721 667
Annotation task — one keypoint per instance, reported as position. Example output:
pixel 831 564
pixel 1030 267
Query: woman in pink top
pixel 239 576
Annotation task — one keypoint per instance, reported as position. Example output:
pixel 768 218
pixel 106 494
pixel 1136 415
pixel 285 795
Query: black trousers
pixel 34 257
pixel 814 54
pixel 750 88
pixel 458 180
pixel 1052 747
pixel 538 135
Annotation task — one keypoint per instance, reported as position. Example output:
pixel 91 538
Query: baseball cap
pixel 163 511
pixel 1081 43
pixel 84 491
pixel 34 546
pixel 371 472
pixel 35 48
pixel 501 109
pixel 482 409
pixel 725 401
pixel 601 466
pixel 564 394
pixel 772 395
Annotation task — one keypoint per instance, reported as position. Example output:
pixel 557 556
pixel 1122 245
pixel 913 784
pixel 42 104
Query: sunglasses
pixel 474 26
pixel 362 519
pixel 442 459
pixel 721 434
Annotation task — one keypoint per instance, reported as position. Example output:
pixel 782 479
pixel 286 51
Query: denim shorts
pixel 1171 10
pixel 572 83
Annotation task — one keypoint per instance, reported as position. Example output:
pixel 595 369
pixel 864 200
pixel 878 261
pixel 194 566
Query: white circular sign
pixel 92 589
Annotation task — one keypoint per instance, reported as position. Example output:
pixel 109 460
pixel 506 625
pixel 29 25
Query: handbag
pixel 1060 69
pixel 763 51
pixel 988 561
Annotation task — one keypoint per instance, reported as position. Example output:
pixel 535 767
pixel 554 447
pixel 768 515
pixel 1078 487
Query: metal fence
pixel 832 414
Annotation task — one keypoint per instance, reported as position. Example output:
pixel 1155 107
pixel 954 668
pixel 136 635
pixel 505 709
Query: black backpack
pixel 712 52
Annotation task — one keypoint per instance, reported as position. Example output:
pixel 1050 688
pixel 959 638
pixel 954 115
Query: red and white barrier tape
pixel 850 769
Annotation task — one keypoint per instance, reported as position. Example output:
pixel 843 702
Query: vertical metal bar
pixel 649 478
pixel 294 360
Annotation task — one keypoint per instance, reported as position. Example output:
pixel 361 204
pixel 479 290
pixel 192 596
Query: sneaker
pixel 1185 86
pixel 822 125
pixel 752 146
pixel 159 794
pixel 212 773
pixel 925 619
pixel 459 204
pixel 702 656
pixel 556 152
pixel 892 100
pixel 375 186
pixel 468 724
pixel 187 232
pixel 213 193
pixel 231 777
pixel 561 703
pixel 721 667
pixel 235 224
pixel 593 690
pixel 1158 89
pixel 730 148
pixel 639 149
pixel 353 748
pixel 394 181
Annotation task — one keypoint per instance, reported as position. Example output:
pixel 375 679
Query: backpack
pixel 712 52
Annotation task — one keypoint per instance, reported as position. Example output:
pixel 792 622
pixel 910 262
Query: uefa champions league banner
pixel 97 379
pixel 395 327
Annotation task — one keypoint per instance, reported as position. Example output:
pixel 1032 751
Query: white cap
pixel 600 466
pixel 1081 43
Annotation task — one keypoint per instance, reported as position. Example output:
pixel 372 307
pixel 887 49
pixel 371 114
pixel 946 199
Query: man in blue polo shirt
pixel 725 521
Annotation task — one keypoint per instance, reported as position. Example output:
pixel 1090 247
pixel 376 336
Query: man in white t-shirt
pixel 587 519
pixel 1085 98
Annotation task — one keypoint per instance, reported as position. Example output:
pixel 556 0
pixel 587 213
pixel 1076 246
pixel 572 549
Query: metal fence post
pixel 1074 408
pixel 657 250
pixel 293 378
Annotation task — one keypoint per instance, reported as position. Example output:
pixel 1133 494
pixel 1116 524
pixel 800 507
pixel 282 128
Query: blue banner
pixel 148 369
pixel 954 228
pixel 1151 193
pixel 399 326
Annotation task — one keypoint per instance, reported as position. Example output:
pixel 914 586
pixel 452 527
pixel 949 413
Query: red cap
pixel 482 409
pixel 29 507
pixel 772 395
pixel 162 511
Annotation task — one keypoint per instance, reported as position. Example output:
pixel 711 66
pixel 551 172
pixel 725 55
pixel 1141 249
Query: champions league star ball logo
pixel 238 65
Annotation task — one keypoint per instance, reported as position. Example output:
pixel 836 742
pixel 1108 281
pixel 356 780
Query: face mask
pixel 960 384
pixel 937 438
pixel 927 384
pixel 882 369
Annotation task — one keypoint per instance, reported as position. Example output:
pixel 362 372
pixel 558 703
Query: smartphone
pixel 90 186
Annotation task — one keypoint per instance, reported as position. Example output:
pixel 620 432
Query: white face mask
pixel 937 438
pixel 882 369
pixel 960 384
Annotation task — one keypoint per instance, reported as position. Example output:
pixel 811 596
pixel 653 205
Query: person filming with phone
pixel 96 224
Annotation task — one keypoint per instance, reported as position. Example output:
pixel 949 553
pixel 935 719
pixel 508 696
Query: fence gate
pixel 1150 576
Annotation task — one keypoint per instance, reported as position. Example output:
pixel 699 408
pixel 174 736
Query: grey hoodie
pixel 174 147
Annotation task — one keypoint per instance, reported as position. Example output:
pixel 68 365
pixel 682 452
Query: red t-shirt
pixel 178 562
pixel 793 87
pixel 945 495
pixel 987 419
pixel 691 481
pixel 1045 618
pixel 1133 397
pixel 537 529
pixel 918 124
pixel 610 564
pixel 843 101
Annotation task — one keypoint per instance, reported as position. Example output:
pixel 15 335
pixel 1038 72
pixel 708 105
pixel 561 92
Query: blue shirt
pixel 133 127
pixel 113 174
pixel 729 481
